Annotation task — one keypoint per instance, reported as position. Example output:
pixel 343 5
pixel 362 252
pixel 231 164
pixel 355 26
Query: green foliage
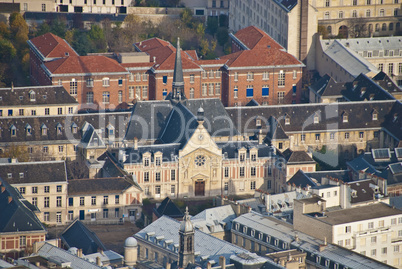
pixel 4 31
pixel 82 44
pixel 97 38
pixel 200 30
pixel 43 29
pixel 212 25
pixel 222 36
pixel 146 202
pixel 323 31
pixel 58 27
pixel 7 51
pixel 186 16
pixel 223 20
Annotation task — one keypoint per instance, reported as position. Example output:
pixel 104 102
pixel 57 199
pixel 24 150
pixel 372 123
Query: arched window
pixel 329 29
pixel 370 28
pixel 377 27
pixel 391 26
pixel 384 27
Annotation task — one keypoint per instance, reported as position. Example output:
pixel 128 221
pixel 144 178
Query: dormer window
pixel 258 122
pixel 395 117
pixel 110 130
pixel 242 157
pixel 32 96
pixel 59 129
pixel 28 130
pixel 345 117
pixel 146 161
pixel 363 91
pixel 44 129
pixel 74 128
pixel 287 120
pixel 13 130
pixel 374 115
pixel 316 119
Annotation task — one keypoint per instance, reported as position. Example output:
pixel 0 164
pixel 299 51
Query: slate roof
pixel 44 95
pixel 213 220
pixel 330 116
pixel 306 243
pixel 275 130
pixel 205 244
pixel 169 152
pixel 296 157
pixel 363 191
pixel 51 252
pixel 168 208
pixel 252 103
pixel 361 213
pixel 98 186
pixel 17 215
pixel 327 86
pixel 79 236
pixel 283 202
pixel 300 179
pixel 83 65
pixel 34 172
pixel 230 149
pixel 363 88
pixel 373 43
pixel 338 174
pixel 350 61
pixel 386 83
pixel 51 46
pixel 98 120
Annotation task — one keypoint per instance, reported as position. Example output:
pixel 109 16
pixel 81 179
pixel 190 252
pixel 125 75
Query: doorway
pixel 199 188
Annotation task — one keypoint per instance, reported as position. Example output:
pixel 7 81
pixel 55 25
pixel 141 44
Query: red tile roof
pixel 52 46
pixel 211 62
pixel 151 44
pixel 186 62
pixel 192 54
pixel 254 37
pixel 260 57
pixel 138 65
pixel 84 64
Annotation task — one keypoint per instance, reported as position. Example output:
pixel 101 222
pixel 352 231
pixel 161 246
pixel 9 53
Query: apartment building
pixel 371 230
pixel 36 101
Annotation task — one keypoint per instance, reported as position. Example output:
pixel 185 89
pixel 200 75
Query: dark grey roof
pixel 72 16
pixel 288 5
pixel 252 103
pixel 44 95
pixel 98 120
pixel 338 174
pixel 386 83
pixel 302 116
pixel 98 186
pixel 363 191
pixel 178 70
pixel 169 152
pixel 79 236
pixel 327 86
pixel 15 216
pixel 231 149
pixel 275 130
pixel 34 172
pixel 363 88
pixel 148 119
pixel 168 208
pixel 297 157
pixel 300 179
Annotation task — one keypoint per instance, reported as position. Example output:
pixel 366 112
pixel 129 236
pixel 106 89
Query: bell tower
pixel 186 244
pixel 178 81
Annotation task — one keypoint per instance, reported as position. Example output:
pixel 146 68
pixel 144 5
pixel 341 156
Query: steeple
pixel 178 82
pixel 186 246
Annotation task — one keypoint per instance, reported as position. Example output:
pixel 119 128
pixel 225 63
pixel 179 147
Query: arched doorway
pixel 343 31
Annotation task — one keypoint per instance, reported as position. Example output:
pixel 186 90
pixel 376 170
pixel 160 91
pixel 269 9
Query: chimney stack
pixel 98 261
pixel 135 143
pixel 222 262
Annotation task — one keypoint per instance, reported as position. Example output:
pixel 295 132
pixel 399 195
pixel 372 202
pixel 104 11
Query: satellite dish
pixel 319 202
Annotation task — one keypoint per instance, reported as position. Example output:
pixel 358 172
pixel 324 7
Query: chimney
pixel 10 199
pixel 222 262
pixel 260 137
pixel 12 86
pixel 98 261
pixel 167 265
pixel 135 143
pixel 209 265
pixel 79 253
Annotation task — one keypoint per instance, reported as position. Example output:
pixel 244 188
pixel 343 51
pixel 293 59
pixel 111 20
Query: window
pixel 204 89
pixel 21 112
pixel 373 252
pixel 70 215
pixel 172 189
pixel 146 161
pixel 23 241
pixel 58 201
pixel 265 91
pixel 354 13
pixel 105 213
pixel 302 137
pixel 158 176
pixel 368 13
pixel 381 12
pixel 192 78
pixel 242 171
pixel 327 3
pixel 396 248
pixel 393 221
pixel 265 75
pixel 34 189
pixel 105 200
pixel 226 186
pixel 47 111
pixel 374 239
pixel 347 135
pixel 131 92
pixel 61 149
pixel 70 201
pixel 354 2
pixel 191 93
pixel 35 201
pixel 340 14
pixel 317 137
pixel 348 229
pixel 70 110
pixel 105 82
pixel 172 174
pixel 45 216
pixel 211 88
pixel 106 97
pixel 217 88
pixel 326 15
pixel 391 69
pixel 371 225
pixel 236 76
pixel 90 82
pixel 281 78
pixel 249 91
pixel 250 76
pixel 82 201
pixel 93 200
pixel 269 184
pixel 43 7
pixel 235 93
pixel 120 97
pixel 120 81
pixel 22 189
pixel 117 199
pixel 144 76
pixel 73 87
pixel 211 73
pixel 384 28
pixel 281 96
pixel 253 157
pixel 164 79
pixel 368 2
pixel 90 97
pixel 157 189
pixel 146 176
pixel 144 91
pixel 32 95
pixel 47 189
pixel 253 171
pixel 46 202
pixel 226 171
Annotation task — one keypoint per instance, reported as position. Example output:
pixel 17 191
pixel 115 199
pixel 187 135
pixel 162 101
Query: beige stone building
pixel 43 184
pixel 372 230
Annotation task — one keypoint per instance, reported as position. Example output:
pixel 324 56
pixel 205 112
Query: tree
pixel 81 43
pixel 4 31
pixel 16 152
pixel 212 25
pixel 357 27
pixel 204 47
pixel 323 31
pixel 59 27
pixel 97 38
pixel 186 16
pixel 43 29
pixel 200 30
pixel 222 36
pixel 19 30
pixel 76 169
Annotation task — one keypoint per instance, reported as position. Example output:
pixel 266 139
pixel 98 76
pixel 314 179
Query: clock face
pixel 199 160
pixel 200 137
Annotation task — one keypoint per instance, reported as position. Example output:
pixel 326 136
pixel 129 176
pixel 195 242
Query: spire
pixel 178 82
